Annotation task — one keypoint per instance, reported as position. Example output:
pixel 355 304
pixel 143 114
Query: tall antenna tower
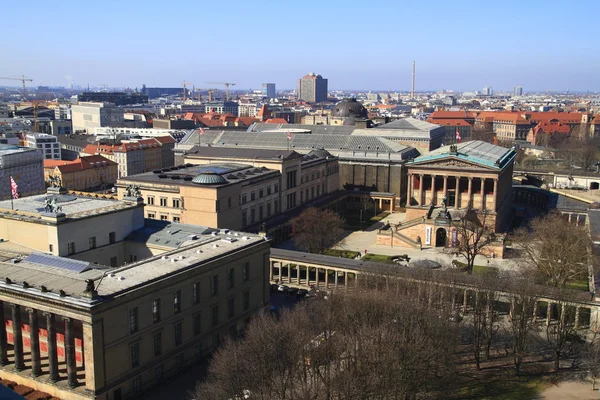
pixel 412 92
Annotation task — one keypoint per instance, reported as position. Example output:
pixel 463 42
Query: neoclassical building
pixel 444 183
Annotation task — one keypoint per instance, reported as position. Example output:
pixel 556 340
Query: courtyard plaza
pixel 367 240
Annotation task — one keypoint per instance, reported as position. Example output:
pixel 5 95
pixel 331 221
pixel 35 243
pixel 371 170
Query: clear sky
pixel 460 45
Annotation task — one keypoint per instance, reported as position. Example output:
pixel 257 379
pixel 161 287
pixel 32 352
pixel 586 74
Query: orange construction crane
pixel 227 84
pixel 184 84
pixel 23 80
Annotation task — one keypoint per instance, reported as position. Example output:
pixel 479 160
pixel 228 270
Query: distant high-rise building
pixel 312 88
pixel 518 91
pixel 488 91
pixel 268 90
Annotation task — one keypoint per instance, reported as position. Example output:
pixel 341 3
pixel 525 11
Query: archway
pixel 440 237
pixel 594 186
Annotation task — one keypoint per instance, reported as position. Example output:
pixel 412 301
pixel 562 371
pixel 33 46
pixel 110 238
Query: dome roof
pixel 349 108
pixel 209 178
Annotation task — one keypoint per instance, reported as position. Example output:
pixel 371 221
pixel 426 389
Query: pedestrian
pixel 365 251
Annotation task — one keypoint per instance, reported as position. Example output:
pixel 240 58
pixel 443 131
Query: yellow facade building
pixel 82 174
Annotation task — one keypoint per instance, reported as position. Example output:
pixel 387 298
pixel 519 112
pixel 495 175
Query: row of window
pixel 261 193
pixel 91 243
pixel 264 211
pixel 163 217
pixel 177 307
pixel 178 328
pixel 305 178
pixel 333 169
pixel 176 203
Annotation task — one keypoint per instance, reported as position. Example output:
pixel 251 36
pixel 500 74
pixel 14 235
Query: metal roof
pixel 475 151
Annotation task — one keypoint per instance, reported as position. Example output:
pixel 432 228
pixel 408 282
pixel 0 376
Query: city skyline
pixel 479 45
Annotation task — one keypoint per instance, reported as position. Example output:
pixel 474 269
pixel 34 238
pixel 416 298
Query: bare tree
pixel 561 333
pixel 558 251
pixel 521 327
pixel 474 236
pixel 317 230
pixel 591 358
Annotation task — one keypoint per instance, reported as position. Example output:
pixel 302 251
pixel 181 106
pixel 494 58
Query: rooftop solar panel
pixel 58 262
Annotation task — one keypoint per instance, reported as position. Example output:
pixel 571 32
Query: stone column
pixel 577 312
pixel 70 352
pixel 3 344
pixel 52 354
pixel 271 270
pixel 495 195
pixel 535 309
pixel 298 274
pixel 34 342
pixel 446 189
pixel 335 275
pixel 465 301
pixel 345 280
pixel 289 268
pixel 548 313
pixel 326 278
pixel 17 337
pixel 421 190
pixel 409 189
pixel 470 194
pixel 433 197
pixel 482 193
pixel 457 196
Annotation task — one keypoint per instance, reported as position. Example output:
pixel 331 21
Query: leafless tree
pixel 521 320
pixel 591 358
pixel 558 251
pixel 561 333
pixel 361 345
pixel 474 236
pixel 317 230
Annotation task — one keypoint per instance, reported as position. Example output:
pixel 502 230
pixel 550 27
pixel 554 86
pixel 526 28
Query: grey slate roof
pixel 315 129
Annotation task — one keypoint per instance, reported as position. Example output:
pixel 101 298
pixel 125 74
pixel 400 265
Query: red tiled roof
pixel 264 113
pixel 165 139
pixel 79 164
pixel 568 117
pixel 513 118
pixel 276 121
pixel 552 127
pixel 450 115
pixel 449 122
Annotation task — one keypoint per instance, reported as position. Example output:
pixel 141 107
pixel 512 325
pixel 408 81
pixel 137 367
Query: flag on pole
pixel 14 188
pixel 201 131
pixel 289 136
pixel 458 138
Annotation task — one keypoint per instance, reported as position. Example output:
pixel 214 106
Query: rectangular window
pixel 252 196
pixel 301 196
pixel 71 248
pixel 252 215
pixel 312 192
pixel 50 248
pixel 155 310
pixel 133 320
pixel 164 218
pixel 244 217
pixel 276 206
pixel 214 285
pixel 113 262
pixel 175 203
pixel 246 272
pixel 163 201
pixel 230 307
pixel 92 242
pixel 291 179
pixel 268 190
pixel 197 324
pixel 158 372
pixel 137 386
pixel 215 315
pixel 246 301
pixel 112 237
pixel 230 278
pixel 276 188
pixel 132 258
pixel 178 334
pixel 151 215
pixel 217 205
pixel 323 188
pixel 157 344
pixel 135 355
pixel 179 361
pixel 268 209
pixel 150 200
pixel 176 219
pixel 177 302
pixel 318 190
pixel 229 202
pixel 260 194
pixel 244 201
pixel 196 293
pixel 291 200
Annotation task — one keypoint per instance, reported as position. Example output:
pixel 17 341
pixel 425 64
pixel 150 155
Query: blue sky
pixel 458 45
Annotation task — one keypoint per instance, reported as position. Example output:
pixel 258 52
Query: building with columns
pixel 81 330
pixel 471 175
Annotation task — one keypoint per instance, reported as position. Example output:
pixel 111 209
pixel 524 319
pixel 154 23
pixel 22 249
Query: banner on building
pixel 428 235
pixel 454 237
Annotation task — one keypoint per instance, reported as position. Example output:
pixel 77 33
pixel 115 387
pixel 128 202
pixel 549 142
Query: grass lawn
pixel 341 253
pixel 479 269
pixel 377 258
pixel 505 389
pixel 581 284
pixel 352 220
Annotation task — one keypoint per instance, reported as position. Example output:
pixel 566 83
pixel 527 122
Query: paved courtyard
pixel 367 240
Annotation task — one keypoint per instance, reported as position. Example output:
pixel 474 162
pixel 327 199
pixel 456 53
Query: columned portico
pixel 17 337
pixel 34 342
pixel 475 193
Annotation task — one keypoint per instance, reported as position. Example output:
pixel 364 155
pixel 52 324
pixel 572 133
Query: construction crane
pixel 184 84
pixel 210 93
pixel 23 80
pixel 227 84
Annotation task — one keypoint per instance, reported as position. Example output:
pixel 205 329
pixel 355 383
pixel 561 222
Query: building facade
pixel 312 88
pixel 268 90
pixel 82 174
pixel 222 107
pixel 25 166
pixel 87 116
pixel 47 144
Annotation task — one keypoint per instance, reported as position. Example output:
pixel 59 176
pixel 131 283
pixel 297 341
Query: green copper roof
pixel 475 151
